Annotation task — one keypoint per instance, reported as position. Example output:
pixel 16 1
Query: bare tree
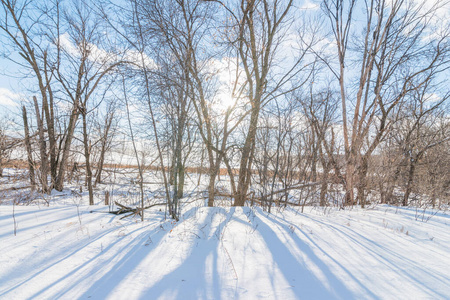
pixel 27 141
pixel 394 59
pixel 25 32
pixel 320 110
pixel 7 144
pixel 106 134
pixel 255 32
pixel 181 31
pixel 80 70
pixel 421 127
pixel 142 68
pixel 42 146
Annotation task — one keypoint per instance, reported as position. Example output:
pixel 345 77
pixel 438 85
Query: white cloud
pixel 104 57
pixel 9 98
pixel 135 57
pixel 66 44
pixel 440 9
pixel 309 5
pixel 432 98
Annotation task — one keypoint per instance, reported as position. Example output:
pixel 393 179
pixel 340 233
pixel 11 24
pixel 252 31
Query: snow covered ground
pixel 65 251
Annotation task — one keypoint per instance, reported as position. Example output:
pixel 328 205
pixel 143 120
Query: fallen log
pixel 132 211
pixel 284 190
pixel 295 187
pixel 16 188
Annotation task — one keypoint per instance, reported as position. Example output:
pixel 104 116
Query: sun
pixel 225 101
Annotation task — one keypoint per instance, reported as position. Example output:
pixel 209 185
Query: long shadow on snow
pixel 22 230
pixel 305 284
pixel 119 270
pixel 32 210
pixel 417 214
pixel 138 243
pixel 62 259
pixel 191 279
pixel 173 282
pixel 382 258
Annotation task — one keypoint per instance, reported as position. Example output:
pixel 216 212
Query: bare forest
pixel 273 149
pixel 343 104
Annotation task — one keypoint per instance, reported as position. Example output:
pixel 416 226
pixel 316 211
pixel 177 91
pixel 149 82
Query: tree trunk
pixel 314 143
pixel 324 186
pixel 87 154
pixel 361 196
pixel 43 149
pixel 28 147
pixel 66 149
pixel 412 167
pixel 245 173
pixel 104 142
pixel 48 112
pixel 214 170
pixel 349 193
pixel 211 190
pixel 98 176
pixel 181 177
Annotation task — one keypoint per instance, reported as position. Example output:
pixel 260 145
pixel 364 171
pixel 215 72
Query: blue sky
pixel 10 94
pixel 12 87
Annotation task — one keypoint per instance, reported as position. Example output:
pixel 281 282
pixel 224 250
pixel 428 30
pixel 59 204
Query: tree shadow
pixel 192 261
pixel 63 257
pixel 195 277
pixel 305 281
pixel 22 230
pixel 387 257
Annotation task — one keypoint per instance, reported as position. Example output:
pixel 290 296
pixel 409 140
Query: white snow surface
pixel 65 251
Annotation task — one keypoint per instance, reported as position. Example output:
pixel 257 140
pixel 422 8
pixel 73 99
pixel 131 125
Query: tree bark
pixel 43 149
pixel 87 154
pixel 104 147
pixel 66 149
pixel 245 172
pixel 28 147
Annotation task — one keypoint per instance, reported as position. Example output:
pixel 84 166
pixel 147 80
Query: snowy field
pixel 70 250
